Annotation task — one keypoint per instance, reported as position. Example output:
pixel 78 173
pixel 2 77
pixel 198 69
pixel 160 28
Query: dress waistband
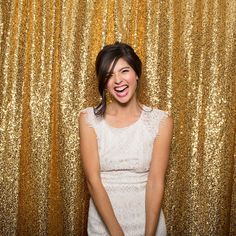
pixel 124 177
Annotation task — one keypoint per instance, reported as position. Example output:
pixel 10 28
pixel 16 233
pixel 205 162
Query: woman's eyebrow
pixel 125 67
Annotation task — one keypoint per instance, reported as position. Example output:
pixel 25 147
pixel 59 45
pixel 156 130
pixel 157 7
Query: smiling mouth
pixel 121 89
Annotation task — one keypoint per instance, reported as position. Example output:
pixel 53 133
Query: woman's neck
pixel 132 107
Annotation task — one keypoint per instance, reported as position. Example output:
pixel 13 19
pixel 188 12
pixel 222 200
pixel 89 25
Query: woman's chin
pixel 123 100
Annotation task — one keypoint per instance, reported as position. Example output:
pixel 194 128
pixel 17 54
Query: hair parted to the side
pixel 108 56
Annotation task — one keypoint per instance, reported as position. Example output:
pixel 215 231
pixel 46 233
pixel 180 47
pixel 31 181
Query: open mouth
pixel 121 88
pixel 121 91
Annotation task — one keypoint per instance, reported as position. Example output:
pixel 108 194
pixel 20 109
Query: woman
pixel 124 149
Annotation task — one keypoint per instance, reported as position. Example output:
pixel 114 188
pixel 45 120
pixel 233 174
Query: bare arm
pixel 90 160
pixel 156 178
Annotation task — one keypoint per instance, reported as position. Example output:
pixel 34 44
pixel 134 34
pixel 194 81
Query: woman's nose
pixel 117 77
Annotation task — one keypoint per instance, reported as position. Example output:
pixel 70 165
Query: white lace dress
pixel 125 155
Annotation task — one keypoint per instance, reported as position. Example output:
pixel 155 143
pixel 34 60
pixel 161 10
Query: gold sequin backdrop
pixel 47 54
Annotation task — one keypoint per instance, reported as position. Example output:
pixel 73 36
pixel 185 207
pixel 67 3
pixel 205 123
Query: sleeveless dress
pixel 125 155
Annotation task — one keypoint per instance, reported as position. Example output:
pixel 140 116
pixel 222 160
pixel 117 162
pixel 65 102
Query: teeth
pixel 120 89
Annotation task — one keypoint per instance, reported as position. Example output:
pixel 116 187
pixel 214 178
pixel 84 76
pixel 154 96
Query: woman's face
pixel 123 82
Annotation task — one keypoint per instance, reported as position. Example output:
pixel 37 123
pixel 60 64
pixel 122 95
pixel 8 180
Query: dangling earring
pixel 136 77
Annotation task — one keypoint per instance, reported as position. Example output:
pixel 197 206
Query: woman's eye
pixel 125 71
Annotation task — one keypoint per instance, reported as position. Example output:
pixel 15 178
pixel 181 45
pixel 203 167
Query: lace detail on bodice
pixel 153 118
pixel 127 148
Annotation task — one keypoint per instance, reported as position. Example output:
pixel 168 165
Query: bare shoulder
pixel 85 116
pixel 165 117
pixel 86 124
pixel 82 117
pixel 166 124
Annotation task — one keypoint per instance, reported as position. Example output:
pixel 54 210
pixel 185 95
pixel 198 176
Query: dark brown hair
pixel 110 54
